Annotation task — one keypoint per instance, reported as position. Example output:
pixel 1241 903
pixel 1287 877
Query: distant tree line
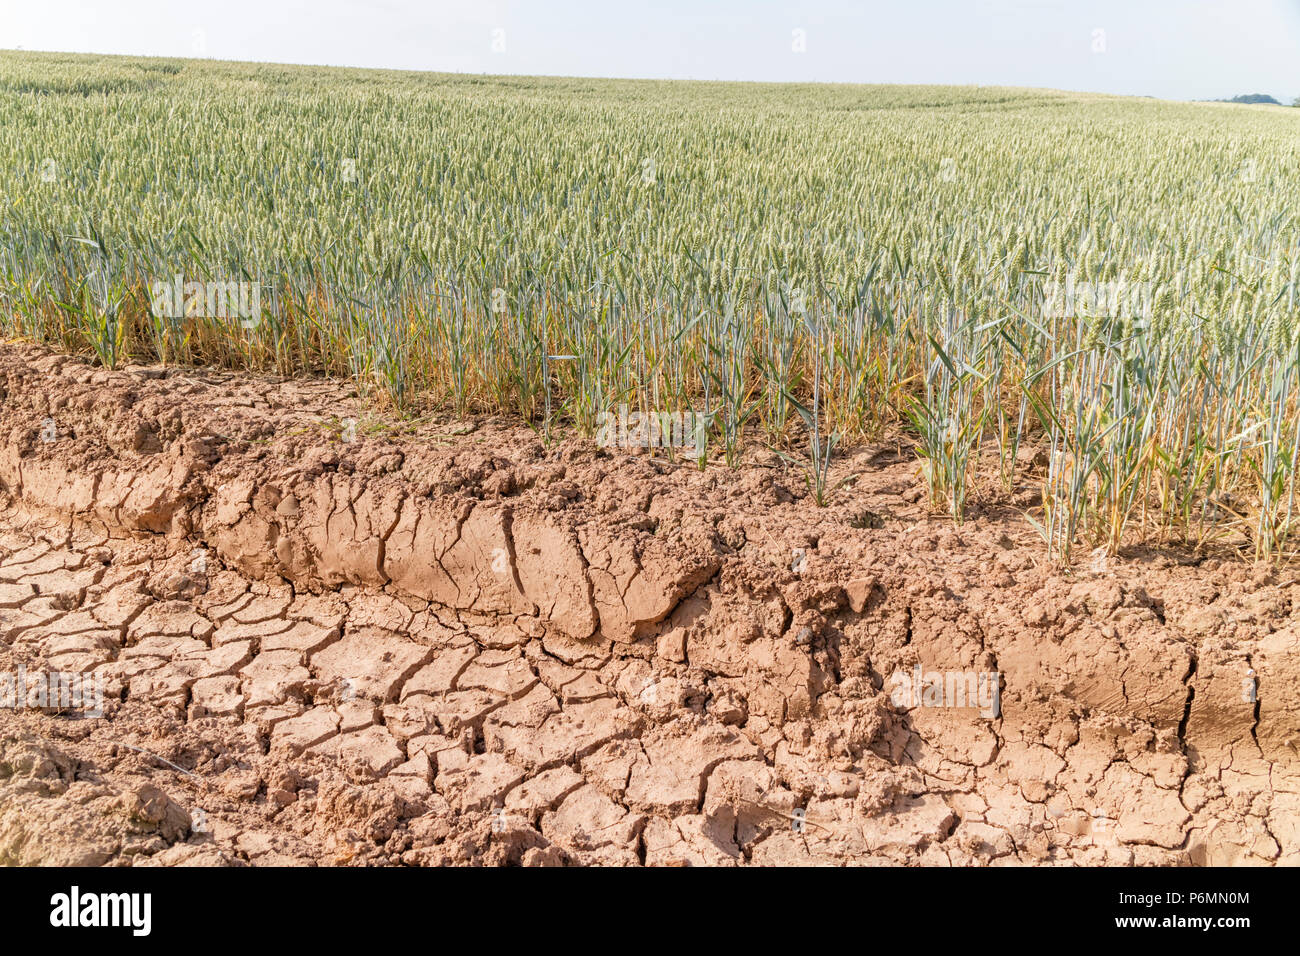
pixel 1257 98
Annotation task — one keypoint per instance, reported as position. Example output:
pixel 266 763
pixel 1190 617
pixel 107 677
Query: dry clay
pixel 329 637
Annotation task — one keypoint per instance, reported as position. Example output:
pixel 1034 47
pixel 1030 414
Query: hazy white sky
pixel 1180 49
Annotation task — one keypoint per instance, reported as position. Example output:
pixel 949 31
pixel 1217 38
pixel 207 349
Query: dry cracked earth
pixel 329 637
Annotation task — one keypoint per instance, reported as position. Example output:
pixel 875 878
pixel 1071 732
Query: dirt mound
pixel 322 636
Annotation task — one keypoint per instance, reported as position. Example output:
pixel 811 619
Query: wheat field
pixel 803 265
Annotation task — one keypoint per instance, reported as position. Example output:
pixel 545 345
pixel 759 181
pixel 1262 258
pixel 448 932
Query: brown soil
pixel 445 643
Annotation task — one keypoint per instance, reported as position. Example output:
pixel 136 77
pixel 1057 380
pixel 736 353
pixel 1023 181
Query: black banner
pixel 259 906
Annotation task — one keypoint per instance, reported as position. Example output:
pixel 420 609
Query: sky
pixel 1173 49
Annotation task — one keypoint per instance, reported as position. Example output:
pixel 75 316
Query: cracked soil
pixel 445 643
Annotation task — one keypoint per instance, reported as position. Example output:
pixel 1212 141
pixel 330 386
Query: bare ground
pixel 442 642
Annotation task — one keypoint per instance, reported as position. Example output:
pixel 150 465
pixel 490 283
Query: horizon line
pixel 641 79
